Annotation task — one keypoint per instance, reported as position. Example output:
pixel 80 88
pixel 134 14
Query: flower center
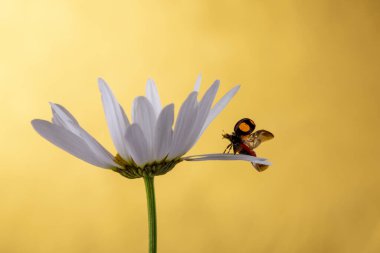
pixel 156 168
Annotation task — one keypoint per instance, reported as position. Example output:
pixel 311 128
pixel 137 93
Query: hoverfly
pixel 244 140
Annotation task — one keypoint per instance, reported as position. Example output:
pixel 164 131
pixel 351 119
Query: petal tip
pixel 197 85
pixel 53 105
pixel 101 83
pixel 216 83
pixel 38 123
pixel 34 122
pixel 150 81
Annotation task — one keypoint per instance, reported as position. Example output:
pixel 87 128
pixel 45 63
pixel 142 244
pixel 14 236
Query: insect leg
pixel 229 149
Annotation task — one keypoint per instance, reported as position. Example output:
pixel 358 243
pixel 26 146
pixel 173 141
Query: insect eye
pixel 244 126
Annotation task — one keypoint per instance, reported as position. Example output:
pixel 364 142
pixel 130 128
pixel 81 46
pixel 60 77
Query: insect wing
pixel 260 136
pixel 260 167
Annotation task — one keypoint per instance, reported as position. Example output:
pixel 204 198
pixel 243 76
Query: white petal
pixel 116 119
pixel 137 145
pixel 69 142
pixel 145 117
pixel 198 83
pixel 153 97
pixel 62 117
pixel 218 107
pixel 184 124
pixel 203 112
pixel 97 148
pixel 227 157
pixel 163 133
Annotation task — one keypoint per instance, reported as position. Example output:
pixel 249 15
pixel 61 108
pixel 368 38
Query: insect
pixel 244 140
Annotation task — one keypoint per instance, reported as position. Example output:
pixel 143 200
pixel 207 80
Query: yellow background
pixel 308 72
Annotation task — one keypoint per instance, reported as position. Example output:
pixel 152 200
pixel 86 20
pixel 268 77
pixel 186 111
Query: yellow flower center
pixel 156 168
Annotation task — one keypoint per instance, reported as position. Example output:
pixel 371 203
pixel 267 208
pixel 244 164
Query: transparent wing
pixel 260 167
pixel 260 136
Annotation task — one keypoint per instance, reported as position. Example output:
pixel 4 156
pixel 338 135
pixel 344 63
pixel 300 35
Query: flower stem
pixel 151 201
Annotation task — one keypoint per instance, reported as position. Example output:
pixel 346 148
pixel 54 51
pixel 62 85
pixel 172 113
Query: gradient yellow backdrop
pixel 308 72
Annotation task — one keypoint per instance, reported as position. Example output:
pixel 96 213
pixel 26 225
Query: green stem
pixel 151 201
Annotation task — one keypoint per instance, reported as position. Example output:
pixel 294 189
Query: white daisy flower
pixel 148 145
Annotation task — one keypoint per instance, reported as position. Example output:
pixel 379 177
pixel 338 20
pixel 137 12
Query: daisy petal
pixel 144 116
pixel 63 118
pixel 153 97
pixel 198 83
pixel 137 145
pixel 218 107
pixel 184 124
pixel 116 119
pixel 69 142
pixel 163 133
pixel 203 112
pixel 248 158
